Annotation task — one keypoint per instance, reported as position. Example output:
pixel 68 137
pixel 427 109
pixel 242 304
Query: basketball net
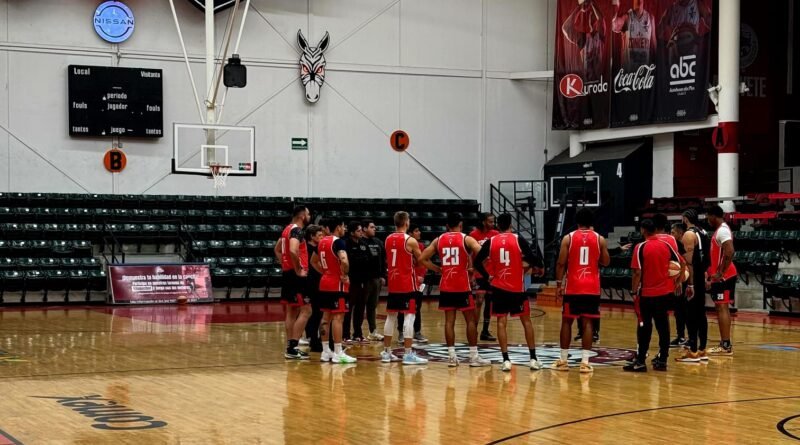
pixel 220 174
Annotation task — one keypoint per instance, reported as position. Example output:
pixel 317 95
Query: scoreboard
pixel 108 101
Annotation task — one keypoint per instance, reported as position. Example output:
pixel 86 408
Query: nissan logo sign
pixel 113 21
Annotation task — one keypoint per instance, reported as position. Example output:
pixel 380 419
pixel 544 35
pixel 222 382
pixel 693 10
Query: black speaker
pixel 235 74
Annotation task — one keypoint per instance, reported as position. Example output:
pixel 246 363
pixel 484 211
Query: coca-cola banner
pixel 656 53
pixel 582 64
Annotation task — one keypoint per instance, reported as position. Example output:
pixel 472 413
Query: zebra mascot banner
pixel 312 65
pixel 630 62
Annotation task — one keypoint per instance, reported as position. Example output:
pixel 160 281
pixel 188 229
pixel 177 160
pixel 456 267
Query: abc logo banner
pixel 630 62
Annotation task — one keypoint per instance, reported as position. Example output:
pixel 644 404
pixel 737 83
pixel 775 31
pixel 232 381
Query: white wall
pixel 664 165
pixel 435 68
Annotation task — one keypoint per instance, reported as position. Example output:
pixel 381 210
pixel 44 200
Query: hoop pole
pixel 228 36
pixel 186 60
pixel 235 51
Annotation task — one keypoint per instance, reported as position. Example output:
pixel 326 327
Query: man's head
pixel 638 6
pixel 584 218
pixel 335 226
pixel 660 222
pixel 715 216
pixel 301 215
pixel 455 222
pixel 368 226
pixel 354 230
pixel 314 234
pixel 690 218
pixel 401 221
pixel 487 222
pixel 504 222
pixel 647 228
pixel 415 232
pixel 678 229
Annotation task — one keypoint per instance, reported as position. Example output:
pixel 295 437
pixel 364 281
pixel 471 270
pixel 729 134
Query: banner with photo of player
pixel 582 64
pixel 630 62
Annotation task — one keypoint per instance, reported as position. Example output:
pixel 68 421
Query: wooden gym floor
pixel 216 375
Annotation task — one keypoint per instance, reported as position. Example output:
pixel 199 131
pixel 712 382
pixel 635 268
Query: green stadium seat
pixel 5 247
pixel 234 247
pixel 211 261
pixel 252 247
pixel 61 248
pixel 226 261
pixel 70 263
pixel 6 263
pixel 216 247
pixel 78 280
pixel 265 261
pixel 11 281
pixel 48 263
pixel 90 263
pixel 246 262
pixel 40 247
pixel 25 263
pixel 55 280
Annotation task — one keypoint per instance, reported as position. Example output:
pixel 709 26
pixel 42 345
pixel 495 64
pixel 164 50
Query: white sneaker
pixel 452 361
pixel 326 356
pixel 375 336
pixel 506 366
pixel 303 341
pixel 535 365
pixel 343 358
pixel 478 361
pixel 388 357
pixel 413 359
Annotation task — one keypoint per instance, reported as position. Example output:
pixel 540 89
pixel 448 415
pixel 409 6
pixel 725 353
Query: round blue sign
pixel 113 21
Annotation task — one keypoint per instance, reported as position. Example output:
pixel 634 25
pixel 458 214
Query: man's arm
pixel 294 254
pixel 483 254
pixel 568 29
pixel 279 248
pixel 533 258
pixel 344 264
pixel 689 241
pixel 605 257
pixel 619 23
pixel 561 265
pixel 414 246
pixel 727 257
pixel 636 281
pixel 316 263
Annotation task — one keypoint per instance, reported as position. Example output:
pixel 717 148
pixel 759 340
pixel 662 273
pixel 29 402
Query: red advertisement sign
pixel 160 283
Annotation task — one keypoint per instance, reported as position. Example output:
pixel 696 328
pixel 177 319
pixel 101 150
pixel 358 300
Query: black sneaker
pixel 487 336
pixel 577 337
pixel 302 355
pixel 635 367
pixel 296 354
pixel 659 364
pixel 596 338
pixel 677 343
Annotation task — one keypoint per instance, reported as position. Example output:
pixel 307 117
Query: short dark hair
pixel 366 223
pixel 353 226
pixel 454 219
pixel 584 217
pixel 648 227
pixel 413 227
pixel 660 221
pixel 504 221
pixel 298 210
pixel 485 215
pixel 691 215
pixel 312 231
pixel 716 211
pixel 400 218
pixel 679 226
pixel 333 223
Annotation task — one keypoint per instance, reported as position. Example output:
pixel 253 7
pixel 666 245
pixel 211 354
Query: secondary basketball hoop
pixel 220 174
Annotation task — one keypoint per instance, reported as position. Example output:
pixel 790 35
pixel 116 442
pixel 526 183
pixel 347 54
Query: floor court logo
pixel 519 354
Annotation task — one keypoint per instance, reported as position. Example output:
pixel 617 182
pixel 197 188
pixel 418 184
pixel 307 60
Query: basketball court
pixel 166 166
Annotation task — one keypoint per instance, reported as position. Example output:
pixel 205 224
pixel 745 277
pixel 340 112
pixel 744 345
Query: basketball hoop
pixel 220 174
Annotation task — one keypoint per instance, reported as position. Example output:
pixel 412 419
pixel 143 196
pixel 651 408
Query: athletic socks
pixel 564 354
pixel 451 351
pixel 326 348
pixel 337 348
pixel 292 345
pixel 473 351
pixel 408 350
pixel 585 356
pixel 533 354
pixel 505 357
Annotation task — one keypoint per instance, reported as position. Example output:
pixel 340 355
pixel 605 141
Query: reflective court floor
pixel 215 374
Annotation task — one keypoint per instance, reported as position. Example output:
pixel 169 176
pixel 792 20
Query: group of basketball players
pixel 495 262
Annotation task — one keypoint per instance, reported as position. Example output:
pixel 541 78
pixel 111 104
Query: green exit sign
pixel 299 143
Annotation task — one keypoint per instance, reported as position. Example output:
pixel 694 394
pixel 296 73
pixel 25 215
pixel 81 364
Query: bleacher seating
pixel 53 242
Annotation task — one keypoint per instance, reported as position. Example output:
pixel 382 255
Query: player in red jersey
pixel 481 234
pixel 292 250
pixel 330 260
pixel 454 249
pixel 663 232
pixel 582 253
pixel 420 271
pixel 402 254
pixel 653 289
pixel 510 256
pixel 721 278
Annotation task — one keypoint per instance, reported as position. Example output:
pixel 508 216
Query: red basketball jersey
pixel 455 262
pixel 286 259
pixel 583 263
pixel 331 280
pixel 400 263
pixel 669 239
pixel 481 237
pixel 506 259
pixel 723 232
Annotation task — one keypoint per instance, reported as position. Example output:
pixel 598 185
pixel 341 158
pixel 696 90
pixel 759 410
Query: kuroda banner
pixel 630 62
pixel 160 283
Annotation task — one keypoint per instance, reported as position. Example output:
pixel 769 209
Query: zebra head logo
pixel 312 65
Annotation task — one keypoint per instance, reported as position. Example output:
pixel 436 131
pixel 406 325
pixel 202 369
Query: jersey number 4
pixel 505 257
pixel 450 256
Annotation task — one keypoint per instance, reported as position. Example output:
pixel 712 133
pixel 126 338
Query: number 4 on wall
pixel 619 169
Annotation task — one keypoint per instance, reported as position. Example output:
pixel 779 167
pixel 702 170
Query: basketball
pixel 675 269
pixel 182 300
